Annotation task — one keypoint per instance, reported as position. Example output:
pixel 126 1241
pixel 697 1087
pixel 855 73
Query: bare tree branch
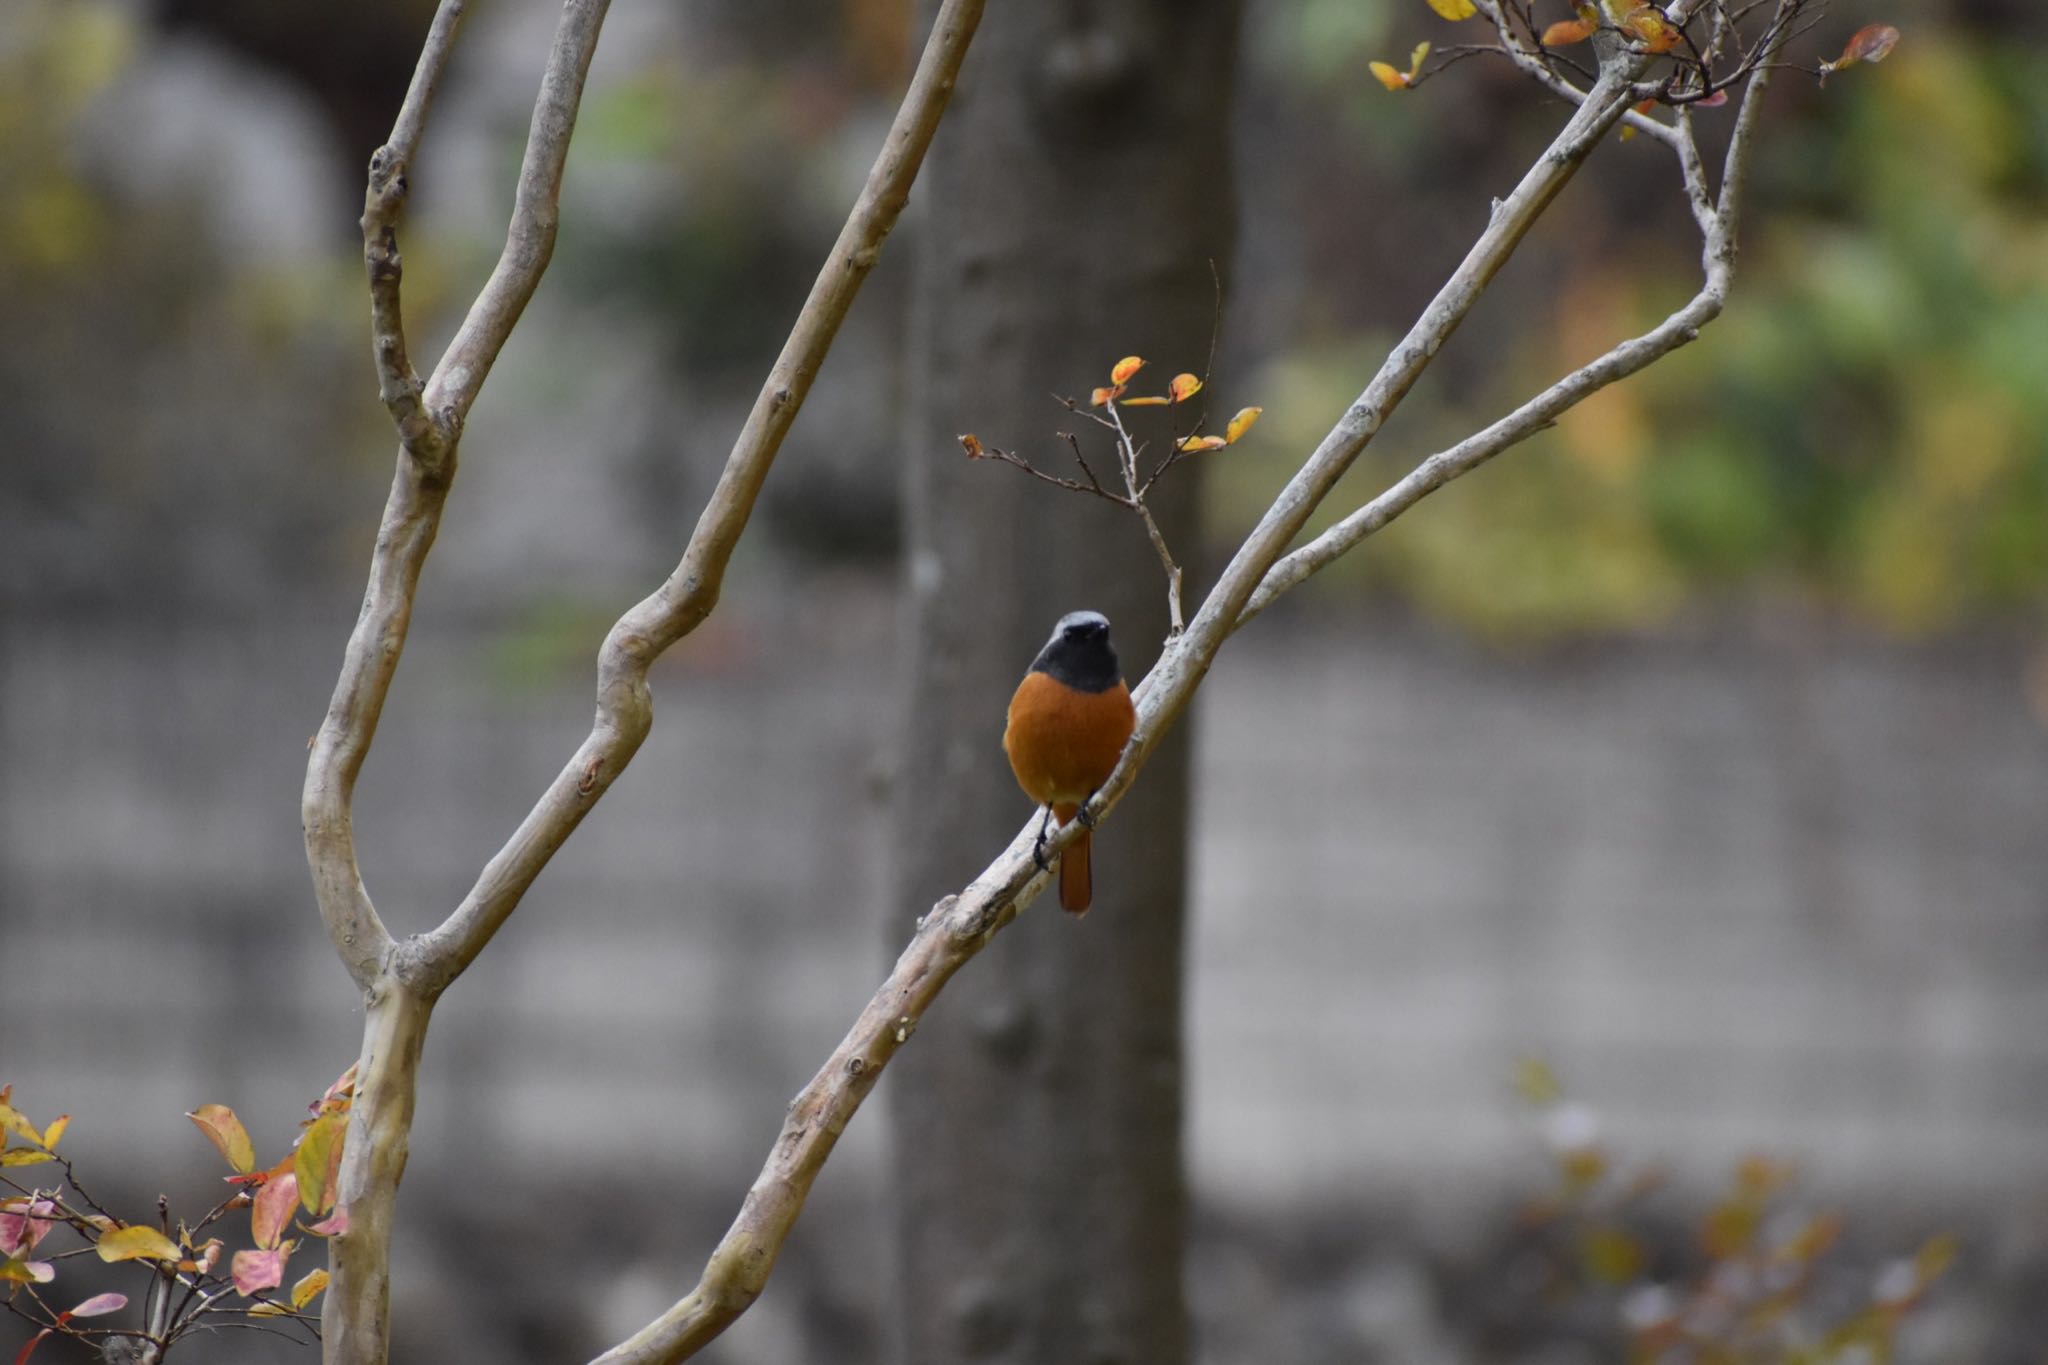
pixel 356 1313
pixel 536 210
pixel 953 932
pixel 412 514
pixel 624 707
pixel 390 181
pixel 1127 461
pixel 1719 224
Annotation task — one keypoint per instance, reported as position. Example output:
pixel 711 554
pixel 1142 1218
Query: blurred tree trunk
pixel 1072 206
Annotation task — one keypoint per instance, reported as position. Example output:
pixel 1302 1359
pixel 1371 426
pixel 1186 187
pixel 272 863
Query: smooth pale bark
pixel 1073 206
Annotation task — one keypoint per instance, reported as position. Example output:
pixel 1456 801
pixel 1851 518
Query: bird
pixel 1068 723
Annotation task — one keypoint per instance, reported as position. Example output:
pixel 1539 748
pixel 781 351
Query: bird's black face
pixel 1079 653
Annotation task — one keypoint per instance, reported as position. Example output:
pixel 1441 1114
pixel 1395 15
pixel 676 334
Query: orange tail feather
pixel 1077 887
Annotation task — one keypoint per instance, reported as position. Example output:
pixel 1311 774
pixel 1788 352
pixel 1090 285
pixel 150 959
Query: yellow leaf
pixel 56 1129
pixel 1937 1255
pixel 11 1121
pixel 137 1244
pixel 1389 76
pixel 1191 444
pixel 305 1289
pixel 1454 10
pixel 1651 28
pixel 1184 387
pixel 225 1131
pixel 1416 59
pixel 317 1159
pixel 1611 1256
pixel 24 1156
pixel 268 1310
pixel 1125 368
pixel 1152 402
pixel 1240 424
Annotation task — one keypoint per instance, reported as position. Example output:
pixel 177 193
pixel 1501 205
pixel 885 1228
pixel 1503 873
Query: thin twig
pixel 1094 484
pixel 1127 460
pixel 978 451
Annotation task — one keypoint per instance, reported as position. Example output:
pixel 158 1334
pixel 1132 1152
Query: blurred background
pixel 1698 748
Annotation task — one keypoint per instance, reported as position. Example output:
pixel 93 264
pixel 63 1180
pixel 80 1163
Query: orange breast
pixel 1062 743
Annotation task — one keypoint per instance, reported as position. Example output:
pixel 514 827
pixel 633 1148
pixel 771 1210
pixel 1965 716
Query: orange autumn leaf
pixel 1184 387
pixel 1240 424
pixel 971 444
pixel 1125 369
pixel 1565 32
pixel 1188 445
pixel 1454 10
pixel 225 1131
pixel 1389 77
pixel 1101 396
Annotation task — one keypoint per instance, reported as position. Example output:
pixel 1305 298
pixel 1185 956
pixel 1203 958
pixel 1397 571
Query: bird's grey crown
pixel 1079 653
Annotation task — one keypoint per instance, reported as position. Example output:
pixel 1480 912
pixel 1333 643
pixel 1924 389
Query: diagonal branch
pixel 1719 225
pixel 624 708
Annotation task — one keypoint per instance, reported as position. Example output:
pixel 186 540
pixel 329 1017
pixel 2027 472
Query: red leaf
pixel 21 1228
pixel 1871 43
pixel 28 1350
pixel 274 1205
pixel 258 1270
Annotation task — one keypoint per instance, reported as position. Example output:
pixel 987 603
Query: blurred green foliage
pixel 1866 427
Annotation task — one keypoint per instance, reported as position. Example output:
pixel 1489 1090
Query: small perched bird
pixel 1069 721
